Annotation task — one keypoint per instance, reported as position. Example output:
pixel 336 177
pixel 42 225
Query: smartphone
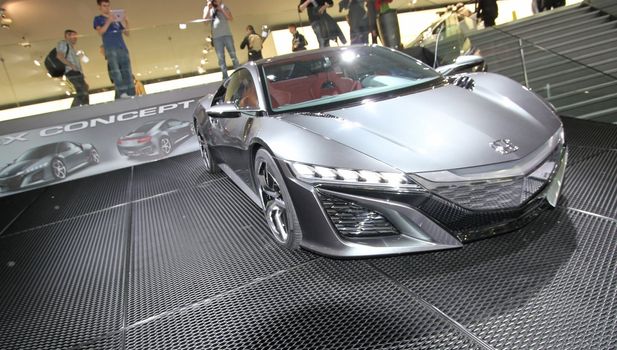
pixel 117 15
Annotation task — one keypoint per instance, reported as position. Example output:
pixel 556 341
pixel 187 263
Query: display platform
pixel 165 256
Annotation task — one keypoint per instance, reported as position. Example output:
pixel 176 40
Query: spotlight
pixel 5 21
pixel 24 43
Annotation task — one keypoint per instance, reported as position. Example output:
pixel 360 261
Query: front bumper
pixel 415 221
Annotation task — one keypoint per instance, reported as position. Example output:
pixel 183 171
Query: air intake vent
pixel 463 81
pixel 319 115
pixel 353 220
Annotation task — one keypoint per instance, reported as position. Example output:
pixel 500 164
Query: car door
pixel 171 127
pixel 72 154
pixel 241 91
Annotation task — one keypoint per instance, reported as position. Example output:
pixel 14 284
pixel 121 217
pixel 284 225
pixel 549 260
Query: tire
pixel 206 155
pixel 94 157
pixel 165 146
pixel 279 210
pixel 58 169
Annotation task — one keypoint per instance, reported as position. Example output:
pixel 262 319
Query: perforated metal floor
pixel 165 256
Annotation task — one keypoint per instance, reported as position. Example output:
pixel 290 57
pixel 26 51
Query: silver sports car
pixel 363 151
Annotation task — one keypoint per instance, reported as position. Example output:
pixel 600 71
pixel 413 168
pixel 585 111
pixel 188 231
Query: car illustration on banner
pixel 363 151
pixel 156 138
pixel 47 163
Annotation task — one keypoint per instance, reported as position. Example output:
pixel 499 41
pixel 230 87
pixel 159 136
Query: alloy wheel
pixel 273 202
pixel 95 157
pixel 205 152
pixel 58 168
pixel 165 145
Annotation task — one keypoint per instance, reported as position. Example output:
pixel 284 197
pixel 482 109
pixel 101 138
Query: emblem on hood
pixel 503 146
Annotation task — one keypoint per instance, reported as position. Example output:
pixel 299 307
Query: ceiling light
pixel 182 26
pixel 177 71
pixel 37 63
pixel 5 21
pixel 203 61
pixel 24 43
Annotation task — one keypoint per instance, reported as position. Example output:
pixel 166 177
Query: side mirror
pixel 223 110
pixel 469 63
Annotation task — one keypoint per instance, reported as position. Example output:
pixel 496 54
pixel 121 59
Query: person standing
pixel 371 15
pixel 298 42
pixel 323 25
pixel 220 15
pixel 253 42
pixel 112 28
pixel 358 22
pixel 487 10
pixel 65 52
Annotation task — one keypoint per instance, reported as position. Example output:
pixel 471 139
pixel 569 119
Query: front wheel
pixel 206 155
pixel 279 210
pixel 58 169
pixel 94 157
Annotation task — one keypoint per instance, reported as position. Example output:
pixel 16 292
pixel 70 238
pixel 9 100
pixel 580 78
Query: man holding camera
pixel 220 15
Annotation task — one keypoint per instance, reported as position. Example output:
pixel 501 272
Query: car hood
pixel 13 169
pixel 443 128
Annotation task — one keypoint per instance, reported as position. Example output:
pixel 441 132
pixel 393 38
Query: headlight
pixel 321 174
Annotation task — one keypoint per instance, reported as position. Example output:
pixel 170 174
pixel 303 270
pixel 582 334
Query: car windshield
pixel 38 152
pixel 338 75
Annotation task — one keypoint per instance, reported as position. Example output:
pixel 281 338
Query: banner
pixel 84 141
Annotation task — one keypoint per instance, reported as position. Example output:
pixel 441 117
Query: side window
pixel 73 147
pixel 63 147
pixel 173 123
pixel 241 90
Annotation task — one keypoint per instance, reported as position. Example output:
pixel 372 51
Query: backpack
pixel 54 66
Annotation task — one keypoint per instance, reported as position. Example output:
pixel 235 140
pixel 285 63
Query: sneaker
pixel 124 95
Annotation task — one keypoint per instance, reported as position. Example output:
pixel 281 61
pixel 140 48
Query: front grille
pixel 353 220
pixel 468 225
pixel 501 193
pixel 508 193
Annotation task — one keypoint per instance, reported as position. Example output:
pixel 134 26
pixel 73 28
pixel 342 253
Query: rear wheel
pixel 58 169
pixel 165 145
pixel 276 201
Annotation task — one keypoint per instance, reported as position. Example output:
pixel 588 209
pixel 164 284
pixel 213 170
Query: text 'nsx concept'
pixel 46 163
pixel 155 138
pixel 364 151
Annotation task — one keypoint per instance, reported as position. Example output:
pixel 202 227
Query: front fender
pixel 290 142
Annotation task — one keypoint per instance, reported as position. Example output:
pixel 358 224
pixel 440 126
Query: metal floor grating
pixel 165 256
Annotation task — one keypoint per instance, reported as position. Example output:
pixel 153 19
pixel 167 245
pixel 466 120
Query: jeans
pixel 81 88
pixel 120 72
pixel 323 42
pixel 220 43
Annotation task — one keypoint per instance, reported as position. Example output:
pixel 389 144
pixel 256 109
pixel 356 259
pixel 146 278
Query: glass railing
pixel 447 37
pixel 582 84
